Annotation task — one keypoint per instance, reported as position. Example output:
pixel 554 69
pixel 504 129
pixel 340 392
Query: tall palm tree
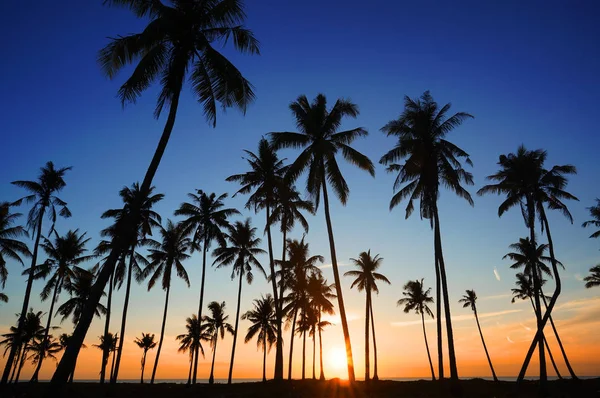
pixel 241 252
pixel 10 245
pixel 431 162
pixel 166 257
pixel 525 183
pixel 263 325
pixel 179 37
pixel 42 194
pixel 32 330
pixel 133 198
pixel 146 342
pixel 321 294
pixel 108 343
pixel 65 255
pixel 206 218
pixel 417 299
pixel 593 279
pixel 469 300
pixel 320 141
pixel 366 279
pixel 216 325
pixel 304 326
pixel 192 340
pixel 595 221
pixel 261 182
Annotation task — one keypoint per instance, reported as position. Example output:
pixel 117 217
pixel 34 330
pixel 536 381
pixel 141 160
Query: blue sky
pixel 526 71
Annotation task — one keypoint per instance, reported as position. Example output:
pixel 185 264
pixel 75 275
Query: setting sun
pixel 336 359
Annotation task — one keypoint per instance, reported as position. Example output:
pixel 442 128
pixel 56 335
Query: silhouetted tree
pixel 108 343
pixel 79 288
pixel 263 325
pixel 321 294
pixel 216 325
pixel 593 279
pixel 146 342
pixel 10 245
pixel 192 341
pixel 32 330
pixel 595 221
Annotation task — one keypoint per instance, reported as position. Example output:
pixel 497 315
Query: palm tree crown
pixel 416 298
pixel 146 342
pixel 263 322
pixel 10 246
pixel 79 288
pixel 469 299
pixel 595 221
pixel 593 279
pixel 216 323
pixel 191 340
pixel 366 277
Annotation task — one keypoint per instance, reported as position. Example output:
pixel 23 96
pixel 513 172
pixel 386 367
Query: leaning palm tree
pixel 63 340
pixel 366 279
pixel 166 258
pixel 191 341
pixel 216 325
pixel 525 183
pixel 10 245
pixel 261 182
pixel 469 300
pixel 417 299
pixel 206 219
pixel 595 221
pixel 241 252
pixel 321 294
pixel 263 325
pixel 146 342
pixel 42 193
pixel 179 37
pixel 593 279
pixel 320 141
pixel 431 162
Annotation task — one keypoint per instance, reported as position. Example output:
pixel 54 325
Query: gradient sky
pixel 527 71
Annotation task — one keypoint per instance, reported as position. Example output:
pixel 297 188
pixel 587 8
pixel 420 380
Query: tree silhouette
pixel 10 245
pixel 192 340
pixel 63 340
pixel 595 221
pixel 321 294
pixel 108 343
pixel 79 288
pixel 32 330
pixel 146 342
pixel 263 325
pixel 216 325
pixel 593 279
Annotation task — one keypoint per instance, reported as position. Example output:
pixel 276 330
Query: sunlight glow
pixel 336 360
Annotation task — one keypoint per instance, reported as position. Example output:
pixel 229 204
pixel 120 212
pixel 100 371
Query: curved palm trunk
pixel 72 376
pixel 338 282
pixel 23 358
pixel 560 345
pixel 278 373
pixel 375 375
pixel 304 355
pixel 16 365
pixel 143 365
pixel 57 288
pixel 264 361
pixel 211 379
pixel 427 347
pixel 322 373
pixel 112 367
pixel 547 346
pixel 162 335
pixel 17 342
pixel 367 342
pixel 105 351
pixel 292 343
pixel 484 346
pixel 200 305
pixel 67 361
pixel 438 316
pixel 235 331
pixel 449 332
pixel 124 316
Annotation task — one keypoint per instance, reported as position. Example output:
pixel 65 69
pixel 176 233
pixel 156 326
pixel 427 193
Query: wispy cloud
pixel 340 264
pixel 496 297
pixel 458 318
pixel 336 320
pixel 496 274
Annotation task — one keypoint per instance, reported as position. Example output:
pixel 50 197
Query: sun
pixel 336 359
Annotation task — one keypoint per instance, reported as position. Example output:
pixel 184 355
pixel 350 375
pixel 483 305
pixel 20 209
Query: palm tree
pixel 192 340
pixel 320 141
pixel 41 349
pixel 162 55
pixel 79 289
pixel 525 182
pixel 263 325
pixel 430 162
pixel 166 258
pixel 321 294
pixel 241 255
pixel 469 300
pixel 108 343
pixel 42 193
pixel 132 198
pixel 10 245
pixel 304 326
pixel 146 342
pixel 206 219
pixel 417 299
pixel 595 221
pixel 216 324
pixel 366 279
pixel 593 279
pixel 65 254
pixel 261 182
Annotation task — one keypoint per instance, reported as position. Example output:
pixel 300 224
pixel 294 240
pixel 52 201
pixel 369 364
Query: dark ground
pixel 314 389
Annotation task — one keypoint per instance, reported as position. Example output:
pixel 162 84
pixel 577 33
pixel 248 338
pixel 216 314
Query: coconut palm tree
pixel 321 294
pixel 261 182
pixel 525 183
pixel 10 245
pixel 162 55
pixel 108 343
pixel 41 349
pixel 206 219
pixel 595 221
pixel 241 252
pixel 146 342
pixel 417 299
pixel 263 325
pixel 166 257
pixel 79 289
pixel 593 279
pixel 366 279
pixel 65 255
pixel 192 340
pixel 304 325
pixel 431 162
pixel 320 142
pixel 469 300
pixel 216 325
pixel 42 194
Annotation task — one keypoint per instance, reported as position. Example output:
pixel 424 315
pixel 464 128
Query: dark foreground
pixel 314 389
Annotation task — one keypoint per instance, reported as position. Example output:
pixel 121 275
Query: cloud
pixel 579 277
pixel 458 318
pixel 496 274
pixel 340 264
pixel 336 320
pixel 496 297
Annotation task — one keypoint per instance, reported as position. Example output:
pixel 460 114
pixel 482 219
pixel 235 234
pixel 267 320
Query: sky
pixel 527 71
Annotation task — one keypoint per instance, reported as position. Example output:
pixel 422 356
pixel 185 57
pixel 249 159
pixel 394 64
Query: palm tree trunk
pixel 445 294
pixel 16 344
pixel 264 361
pixel 283 276
pixel 162 335
pixel 367 342
pixel 322 375
pixel 292 343
pixel 57 287
pixel 211 379
pixel 278 374
pixel 304 355
pixel 201 304
pixel 105 351
pixel 189 382
pixel 16 365
pixel 143 366
pixel 552 358
pixel 338 282
pixel 124 316
pixel 484 346
pixel 560 345
pixel 438 316
pixel 23 358
pixel 112 367
pixel 427 347
pixel 314 362
pixel 72 376
pixel 375 375
pixel 235 331
pixel 68 359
